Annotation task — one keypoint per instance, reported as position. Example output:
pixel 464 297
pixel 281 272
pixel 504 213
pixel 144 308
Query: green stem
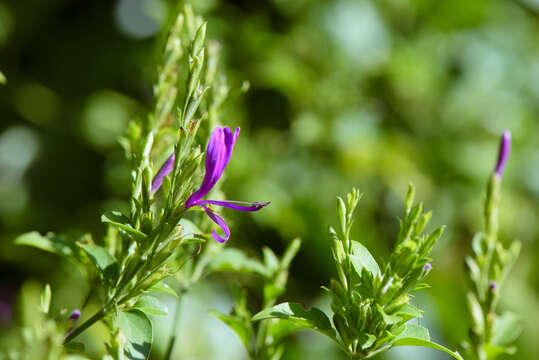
pixel 97 316
pixel 175 323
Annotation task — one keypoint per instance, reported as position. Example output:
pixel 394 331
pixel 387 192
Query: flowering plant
pixel 491 335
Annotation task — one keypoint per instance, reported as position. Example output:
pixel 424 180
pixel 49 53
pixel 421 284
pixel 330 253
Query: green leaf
pixel 105 263
pixel 314 318
pixel 189 227
pixel 408 312
pixel 476 311
pixel 415 335
pixel 137 329
pixel 413 331
pixel 151 306
pixel 57 244
pixel 507 329
pixel 241 328
pixel 366 340
pixel 362 258
pixel 163 287
pixel 290 253
pixel 122 222
pixel 3 79
pixel 270 259
pixel 235 260
pixel 45 299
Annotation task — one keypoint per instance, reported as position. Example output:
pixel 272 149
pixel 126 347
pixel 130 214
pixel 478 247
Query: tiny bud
pixel 427 267
pixel 493 285
pixel 503 154
pixel 75 315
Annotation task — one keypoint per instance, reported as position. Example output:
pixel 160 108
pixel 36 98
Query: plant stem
pixel 97 316
pixel 175 323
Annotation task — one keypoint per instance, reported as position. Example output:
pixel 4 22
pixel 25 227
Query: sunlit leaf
pixel 122 222
pixel 104 262
pixel 415 335
pixel 151 306
pixel 137 330
pixel 362 258
pixel 314 318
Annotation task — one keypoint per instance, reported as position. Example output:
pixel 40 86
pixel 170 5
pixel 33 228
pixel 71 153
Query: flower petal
pixel 219 221
pixel 218 154
pixel 237 205
pixel 165 169
pixel 503 154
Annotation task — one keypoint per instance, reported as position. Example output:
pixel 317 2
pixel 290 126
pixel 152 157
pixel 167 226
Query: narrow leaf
pixel 46 299
pixel 122 222
pixel 56 244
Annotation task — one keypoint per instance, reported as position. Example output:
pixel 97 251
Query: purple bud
pixel 493 285
pixel 427 267
pixel 75 315
pixel 505 147
pixel 165 169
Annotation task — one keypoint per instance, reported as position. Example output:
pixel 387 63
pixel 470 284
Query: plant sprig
pixel 489 264
pixel 371 304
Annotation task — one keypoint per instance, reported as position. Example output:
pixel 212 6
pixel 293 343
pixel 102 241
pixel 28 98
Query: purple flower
pixel 218 154
pixel 427 267
pixel 493 285
pixel 505 147
pixel 163 171
pixel 75 315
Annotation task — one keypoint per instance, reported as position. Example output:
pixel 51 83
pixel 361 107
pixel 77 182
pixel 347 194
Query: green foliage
pixel 42 329
pixel 265 340
pixel 153 240
pixel 371 305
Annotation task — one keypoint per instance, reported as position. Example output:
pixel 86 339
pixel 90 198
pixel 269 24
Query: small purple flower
pixel 505 147
pixel 493 285
pixel 74 317
pixel 427 267
pixel 218 154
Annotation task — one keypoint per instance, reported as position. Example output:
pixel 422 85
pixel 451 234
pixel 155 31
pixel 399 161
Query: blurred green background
pixel 345 93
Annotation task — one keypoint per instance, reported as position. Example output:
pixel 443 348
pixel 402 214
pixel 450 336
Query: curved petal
pixel 219 221
pixel 165 169
pixel 237 205
pixel 218 154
